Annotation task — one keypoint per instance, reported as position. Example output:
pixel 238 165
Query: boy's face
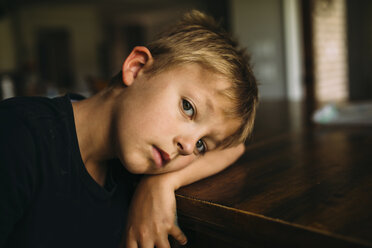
pixel 165 122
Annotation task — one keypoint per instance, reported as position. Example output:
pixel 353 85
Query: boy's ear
pixel 137 59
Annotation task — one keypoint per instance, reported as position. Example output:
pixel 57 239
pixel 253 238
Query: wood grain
pixel 298 187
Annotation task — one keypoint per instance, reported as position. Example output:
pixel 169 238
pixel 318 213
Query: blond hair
pixel 197 38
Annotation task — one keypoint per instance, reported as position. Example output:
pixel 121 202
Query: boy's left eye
pixel 200 146
pixel 188 108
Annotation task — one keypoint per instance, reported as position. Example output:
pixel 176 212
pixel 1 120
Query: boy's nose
pixel 185 146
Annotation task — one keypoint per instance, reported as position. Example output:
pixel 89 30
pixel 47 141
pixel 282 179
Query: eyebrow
pixel 205 102
pixel 209 105
pixel 217 143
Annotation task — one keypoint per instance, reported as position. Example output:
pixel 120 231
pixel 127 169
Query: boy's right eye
pixel 188 108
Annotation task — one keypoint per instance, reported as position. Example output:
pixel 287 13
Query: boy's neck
pixel 92 121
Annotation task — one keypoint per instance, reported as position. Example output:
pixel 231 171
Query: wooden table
pixel 293 187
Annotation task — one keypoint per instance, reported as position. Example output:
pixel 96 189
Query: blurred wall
pixel 360 49
pixel 98 36
pixel 330 50
pixel 7 48
pixel 259 26
pixel 82 24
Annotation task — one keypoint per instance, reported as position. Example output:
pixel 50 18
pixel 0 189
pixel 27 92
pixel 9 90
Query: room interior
pixel 305 178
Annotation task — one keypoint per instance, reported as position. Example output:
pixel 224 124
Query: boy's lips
pixel 160 156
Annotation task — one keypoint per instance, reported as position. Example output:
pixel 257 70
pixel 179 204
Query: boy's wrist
pixel 167 179
pixel 170 179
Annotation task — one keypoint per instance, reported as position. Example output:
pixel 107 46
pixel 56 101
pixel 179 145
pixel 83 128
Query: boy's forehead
pixel 202 74
pixel 207 80
pixel 221 129
pixel 214 80
pixel 217 98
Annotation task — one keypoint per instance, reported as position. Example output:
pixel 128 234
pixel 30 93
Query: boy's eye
pixel 187 108
pixel 200 146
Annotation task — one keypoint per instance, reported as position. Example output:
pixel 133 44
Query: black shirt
pixel 47 198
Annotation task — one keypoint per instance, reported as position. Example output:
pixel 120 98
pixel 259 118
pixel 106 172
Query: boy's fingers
pixel 145 244
pixel 178 235
pixel 163 243
pixel 131 244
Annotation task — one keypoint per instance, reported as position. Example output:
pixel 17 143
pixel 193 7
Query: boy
pixel 178 111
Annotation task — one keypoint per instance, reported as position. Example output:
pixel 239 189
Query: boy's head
pixel 191 91
pixel 198 39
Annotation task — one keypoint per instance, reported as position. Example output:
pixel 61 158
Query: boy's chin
pixel 131 168
pixel 135 169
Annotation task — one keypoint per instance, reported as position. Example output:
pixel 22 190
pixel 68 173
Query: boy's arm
pixel 211 163
pixel 153 207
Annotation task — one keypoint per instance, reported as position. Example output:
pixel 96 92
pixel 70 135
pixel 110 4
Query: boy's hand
pixel 152 215
pixel 153 207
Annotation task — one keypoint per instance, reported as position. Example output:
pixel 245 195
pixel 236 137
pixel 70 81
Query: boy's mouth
pixel 160 156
